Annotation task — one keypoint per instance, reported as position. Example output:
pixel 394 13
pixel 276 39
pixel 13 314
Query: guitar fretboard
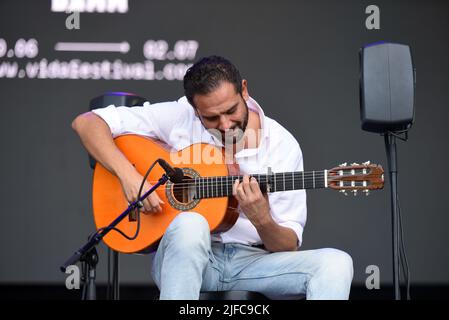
pixel 215 187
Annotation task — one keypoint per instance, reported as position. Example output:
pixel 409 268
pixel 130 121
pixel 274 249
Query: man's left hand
pixel 253 202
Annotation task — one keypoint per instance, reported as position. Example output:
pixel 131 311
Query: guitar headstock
pixel 356 177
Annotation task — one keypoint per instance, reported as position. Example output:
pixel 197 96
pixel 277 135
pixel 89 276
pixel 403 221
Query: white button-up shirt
pixel 176 124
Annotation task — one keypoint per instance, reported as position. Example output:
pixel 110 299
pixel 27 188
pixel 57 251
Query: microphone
pixel 174 174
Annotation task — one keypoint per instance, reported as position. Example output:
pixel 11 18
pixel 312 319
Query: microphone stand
pixel 88 254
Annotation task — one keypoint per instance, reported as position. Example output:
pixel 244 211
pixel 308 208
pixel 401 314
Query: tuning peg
pixel 344 164
pixel 344 192
pixel 366 192
pixel 354 192
pixel 367 163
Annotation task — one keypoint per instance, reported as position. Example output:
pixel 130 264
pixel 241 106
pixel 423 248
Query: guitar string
pixel 216 188
pixel 215 182
pixel 230 183
pixel 225 184
pixel 308 175
pixel 212 185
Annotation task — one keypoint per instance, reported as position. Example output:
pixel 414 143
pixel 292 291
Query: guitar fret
pixel 313 177
pixel 284 179
pixel 196 189
pixel 211 187
pixel 208 190
pixel 274 182
pixel 229 186
pixel 288 181
pixel 293 180
pixel 216 186
pixel 204 187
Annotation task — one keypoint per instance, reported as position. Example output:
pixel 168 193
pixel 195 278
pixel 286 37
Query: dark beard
pixel 240 126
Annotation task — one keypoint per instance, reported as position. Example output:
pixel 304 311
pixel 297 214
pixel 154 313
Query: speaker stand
pixel 390 146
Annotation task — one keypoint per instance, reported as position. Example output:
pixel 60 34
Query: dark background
pixel 301 62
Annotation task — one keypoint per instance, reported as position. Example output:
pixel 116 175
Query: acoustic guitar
pixel 206 188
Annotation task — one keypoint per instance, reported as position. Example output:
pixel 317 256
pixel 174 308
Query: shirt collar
pixel 254 106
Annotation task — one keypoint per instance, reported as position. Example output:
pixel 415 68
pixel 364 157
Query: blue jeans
pixel 186 263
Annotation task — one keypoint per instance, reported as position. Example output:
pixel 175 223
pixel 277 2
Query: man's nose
pixel 225 123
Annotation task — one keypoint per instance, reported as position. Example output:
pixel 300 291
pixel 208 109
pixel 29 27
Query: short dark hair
pixel 207 74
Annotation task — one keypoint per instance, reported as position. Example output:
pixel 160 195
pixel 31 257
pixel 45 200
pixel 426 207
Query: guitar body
pixel 109 200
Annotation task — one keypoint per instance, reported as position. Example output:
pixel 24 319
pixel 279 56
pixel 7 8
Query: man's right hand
pixel 131 183
pixel 97 138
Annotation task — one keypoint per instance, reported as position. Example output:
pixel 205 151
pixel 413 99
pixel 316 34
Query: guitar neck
pixel 214 187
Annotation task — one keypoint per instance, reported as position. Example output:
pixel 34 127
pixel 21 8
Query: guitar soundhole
pixel 181 196
pixel 184 192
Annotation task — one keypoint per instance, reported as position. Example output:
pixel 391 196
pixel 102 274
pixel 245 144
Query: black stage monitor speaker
pixel 118 99
pixel 387 86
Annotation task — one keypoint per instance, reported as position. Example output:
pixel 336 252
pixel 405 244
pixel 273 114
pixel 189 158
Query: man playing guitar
pixel 261 251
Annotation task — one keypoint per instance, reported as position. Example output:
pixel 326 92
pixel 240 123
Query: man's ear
pixel 245 93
